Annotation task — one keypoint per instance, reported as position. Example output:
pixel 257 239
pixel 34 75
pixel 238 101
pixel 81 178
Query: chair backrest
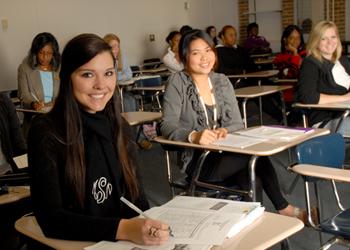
pixel 135 70
pixel 327 151
pixel 149 82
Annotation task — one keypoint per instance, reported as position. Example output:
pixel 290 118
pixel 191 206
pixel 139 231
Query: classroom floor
pixel 153 172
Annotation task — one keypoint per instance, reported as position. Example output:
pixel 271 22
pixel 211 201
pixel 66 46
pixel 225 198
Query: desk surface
pixel 41 111
pixel 136 78
pixel 139 117
pixel 333 106
pixel 265 148
pixel 15 194
pixel 262 234
pixel 256 91
pixel 262 61
pixel 257 74
pixel 154 88
pixel 322 172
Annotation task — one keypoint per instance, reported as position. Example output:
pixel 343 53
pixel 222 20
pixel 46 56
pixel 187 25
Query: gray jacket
pixel 30 86
pixel 184 113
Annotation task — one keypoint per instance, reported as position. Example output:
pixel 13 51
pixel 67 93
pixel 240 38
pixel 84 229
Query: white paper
pixel 197 223
pixel 21 161
pixel 125 245
pixel 238 141
pixel 267 132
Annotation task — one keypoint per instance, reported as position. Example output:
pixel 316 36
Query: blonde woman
pixel 122 68
pixel 325 76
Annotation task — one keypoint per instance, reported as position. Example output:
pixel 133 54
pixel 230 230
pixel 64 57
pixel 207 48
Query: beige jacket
pixel 30 87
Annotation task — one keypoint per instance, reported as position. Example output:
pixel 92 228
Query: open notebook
pixel 197 222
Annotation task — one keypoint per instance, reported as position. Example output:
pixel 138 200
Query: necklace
pixel 204 107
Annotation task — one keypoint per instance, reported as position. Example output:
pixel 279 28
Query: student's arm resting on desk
pixel 55 214
pixel 310 81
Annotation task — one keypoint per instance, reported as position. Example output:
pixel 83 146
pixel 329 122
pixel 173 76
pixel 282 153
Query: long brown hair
pixel 77 52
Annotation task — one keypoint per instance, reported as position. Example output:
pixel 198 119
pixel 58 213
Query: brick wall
pixel 287 13
pixel 339 15
pixel 243 7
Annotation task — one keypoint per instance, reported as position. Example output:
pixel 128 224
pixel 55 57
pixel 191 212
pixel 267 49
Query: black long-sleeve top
pixel 12 141
pixel 53 203
pixel 234 60
pixel 315 78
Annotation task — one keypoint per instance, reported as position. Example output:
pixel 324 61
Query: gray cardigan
pixel 184 113
pixel 30 85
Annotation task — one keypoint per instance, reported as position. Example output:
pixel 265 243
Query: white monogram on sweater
pixel 101 190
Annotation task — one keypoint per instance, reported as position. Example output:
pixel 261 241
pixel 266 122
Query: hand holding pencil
pixel 142 231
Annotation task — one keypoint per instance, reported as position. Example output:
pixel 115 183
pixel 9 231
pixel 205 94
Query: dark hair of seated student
pixel 82 158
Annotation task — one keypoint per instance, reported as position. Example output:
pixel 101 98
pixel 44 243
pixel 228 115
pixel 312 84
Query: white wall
pixel 132 20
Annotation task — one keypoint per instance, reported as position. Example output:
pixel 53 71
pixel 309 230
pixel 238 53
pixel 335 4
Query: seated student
pixel 11 139
pixel 81 158
pixel 288 62
pixel 38 80
pixel 325 76
pixel 211 31
pixel 254 43
pixel 171 58
pixel 123 70
pixel 184 29
pixel 232 59
pixel 200 107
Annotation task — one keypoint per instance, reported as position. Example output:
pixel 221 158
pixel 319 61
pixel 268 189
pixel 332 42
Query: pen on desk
pixel 139 211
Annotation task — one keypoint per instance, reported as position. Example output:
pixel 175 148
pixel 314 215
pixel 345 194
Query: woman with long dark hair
pixel 200 107
pixel 81 158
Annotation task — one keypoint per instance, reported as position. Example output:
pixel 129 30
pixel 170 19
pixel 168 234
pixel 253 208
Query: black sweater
pixel 316 78
pixel 12 141
pixel 234 60
pixel 52 200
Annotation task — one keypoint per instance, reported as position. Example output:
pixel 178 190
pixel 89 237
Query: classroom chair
pixel 151 63
pixel 149 88
pixel 322 158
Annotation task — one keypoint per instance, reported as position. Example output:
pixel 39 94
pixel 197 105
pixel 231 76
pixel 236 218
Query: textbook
pixel 275 132
pixel 196 222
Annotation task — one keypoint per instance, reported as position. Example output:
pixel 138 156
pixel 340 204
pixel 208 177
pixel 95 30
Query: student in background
pixel 38 80
pixel 11 139
pixel 325 76
pixel 211 31
pixel 232 59
pixel 123 70
pixel 293 51
pixel 256 44
pixel 185 28
pixel 122 67
pixel 81 158
pixel 200 107
pixel 171 58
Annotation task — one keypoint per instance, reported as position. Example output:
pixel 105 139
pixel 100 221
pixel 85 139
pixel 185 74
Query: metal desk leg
pixel 121 97
pixel 283 104
pixel 344 115
pixel 260 106
pixel 197 171
pixel 252 164
pixel 244 108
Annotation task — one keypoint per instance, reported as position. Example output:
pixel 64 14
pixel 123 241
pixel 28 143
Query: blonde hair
pixel 316 36
pixel 112 37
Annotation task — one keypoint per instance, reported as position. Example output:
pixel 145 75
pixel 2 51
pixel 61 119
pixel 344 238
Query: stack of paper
pixel 197 223
pixel 275 132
